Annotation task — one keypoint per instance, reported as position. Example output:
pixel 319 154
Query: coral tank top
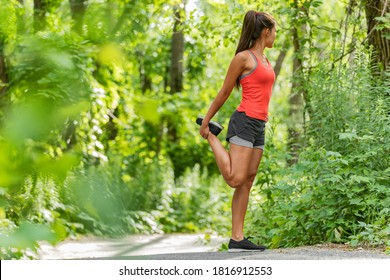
pixel 257 90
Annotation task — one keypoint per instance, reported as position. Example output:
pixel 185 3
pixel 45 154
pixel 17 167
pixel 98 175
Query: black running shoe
pixel 244 246
pixel 215 128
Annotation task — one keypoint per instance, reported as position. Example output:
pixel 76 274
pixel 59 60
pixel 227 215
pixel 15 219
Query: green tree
pixel 378 29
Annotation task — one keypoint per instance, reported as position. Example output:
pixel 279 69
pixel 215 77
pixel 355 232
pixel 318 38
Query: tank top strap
pixel 253 55
pixel 254 68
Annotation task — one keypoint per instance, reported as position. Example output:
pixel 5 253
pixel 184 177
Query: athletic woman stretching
pixel 251 70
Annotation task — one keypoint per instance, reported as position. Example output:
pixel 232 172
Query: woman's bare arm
pixel 236 68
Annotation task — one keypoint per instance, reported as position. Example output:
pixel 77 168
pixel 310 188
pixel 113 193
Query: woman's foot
pixel 215 128
pixel 244 246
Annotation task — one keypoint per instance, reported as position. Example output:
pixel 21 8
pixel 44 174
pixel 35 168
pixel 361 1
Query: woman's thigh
pixel 255 161
pixel 254 165
pixel 244 164
pixel 241 162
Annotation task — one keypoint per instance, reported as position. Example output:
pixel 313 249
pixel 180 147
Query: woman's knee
pixel 236 181
pixel 240 179
pixel 249 181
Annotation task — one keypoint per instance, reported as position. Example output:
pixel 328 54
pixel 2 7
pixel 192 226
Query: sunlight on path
pixel 130 246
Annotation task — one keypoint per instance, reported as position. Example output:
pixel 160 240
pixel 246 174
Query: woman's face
pixel 270 37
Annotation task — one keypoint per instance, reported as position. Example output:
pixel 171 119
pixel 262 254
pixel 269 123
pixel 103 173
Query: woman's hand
pixel 204 130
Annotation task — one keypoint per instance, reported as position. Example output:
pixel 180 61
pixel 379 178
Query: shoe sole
pixel 244 250
pixel 200 119
pixel 217 125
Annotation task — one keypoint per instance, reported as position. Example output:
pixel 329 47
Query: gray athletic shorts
pixel 246 131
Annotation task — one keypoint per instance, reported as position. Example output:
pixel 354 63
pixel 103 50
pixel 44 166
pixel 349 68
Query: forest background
pixel 98 101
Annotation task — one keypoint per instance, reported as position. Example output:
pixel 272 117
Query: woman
pixel 251 70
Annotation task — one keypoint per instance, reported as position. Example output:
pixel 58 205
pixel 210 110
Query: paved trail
pixel 191 247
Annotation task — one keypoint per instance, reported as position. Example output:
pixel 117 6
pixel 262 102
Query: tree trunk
pixel 121 20
pixel 376 37
pixel 295 102
pixel 77 10
pixel 298 95
pixel 177 53
pixel 40 9
pixel 21 18
pixel 280 59
pixel 146 82
pixel 176 82
pixel 3 72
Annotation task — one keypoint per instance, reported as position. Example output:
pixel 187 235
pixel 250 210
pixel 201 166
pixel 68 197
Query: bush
pixel 198 202
pixel 339 190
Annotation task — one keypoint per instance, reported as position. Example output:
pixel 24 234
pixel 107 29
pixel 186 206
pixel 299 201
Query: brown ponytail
pixel 254 23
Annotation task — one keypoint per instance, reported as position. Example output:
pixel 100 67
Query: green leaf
pixel 27 235
pixel 147 108
pixel 316 3
pixel 361 179
pixel 350 135
pixel 333 154
pixel 60 230
pixel 354 242
pixel 337 234
pixel 356 201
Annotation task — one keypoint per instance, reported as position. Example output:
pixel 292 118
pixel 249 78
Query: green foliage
pixel 24 237
pixel 198 202
pixel 92 142
pixel 30 215
pixel 339 190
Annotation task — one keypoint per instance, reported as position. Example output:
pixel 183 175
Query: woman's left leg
pixel 241 197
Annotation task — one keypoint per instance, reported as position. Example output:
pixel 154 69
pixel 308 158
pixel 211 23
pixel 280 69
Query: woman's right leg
pixel 238 167
pixel 234 165
pixel 241 197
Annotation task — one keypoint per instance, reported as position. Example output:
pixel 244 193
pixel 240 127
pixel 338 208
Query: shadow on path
pixel 128 247
pixel 131 247
pixel 191 247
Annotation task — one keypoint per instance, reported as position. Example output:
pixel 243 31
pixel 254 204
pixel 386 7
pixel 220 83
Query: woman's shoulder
pixel 242 56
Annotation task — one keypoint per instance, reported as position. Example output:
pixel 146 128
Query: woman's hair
pixel 254 23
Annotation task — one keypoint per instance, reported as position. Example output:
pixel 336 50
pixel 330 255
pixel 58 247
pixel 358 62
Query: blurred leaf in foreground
pixel 27 236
